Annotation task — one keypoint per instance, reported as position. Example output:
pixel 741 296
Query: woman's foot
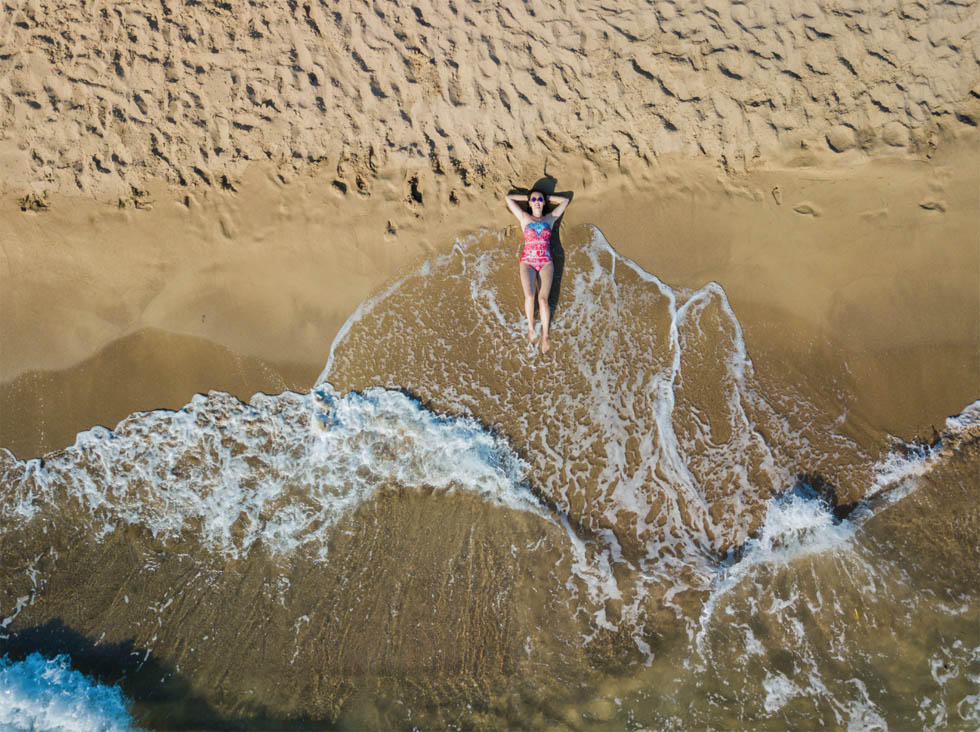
pixel 545 344
pixel 530 333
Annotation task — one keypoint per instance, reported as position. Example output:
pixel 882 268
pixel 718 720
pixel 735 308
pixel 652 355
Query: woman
pixel 536 257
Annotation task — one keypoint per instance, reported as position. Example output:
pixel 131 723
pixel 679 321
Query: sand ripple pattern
pixel 642 426
pixel 100 97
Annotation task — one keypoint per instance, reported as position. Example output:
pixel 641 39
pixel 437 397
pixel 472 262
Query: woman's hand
pixel 561 203
pixel 512 203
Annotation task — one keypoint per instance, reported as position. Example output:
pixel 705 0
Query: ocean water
pixel 452 531
pixel 47 695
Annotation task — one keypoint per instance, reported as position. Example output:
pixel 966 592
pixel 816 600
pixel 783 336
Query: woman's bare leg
pixel 528 281
pixel 547 274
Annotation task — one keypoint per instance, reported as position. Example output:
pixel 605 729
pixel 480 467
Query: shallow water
pixel 451 530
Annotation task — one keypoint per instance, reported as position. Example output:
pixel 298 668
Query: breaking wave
pixel 48 695
pixel 638 499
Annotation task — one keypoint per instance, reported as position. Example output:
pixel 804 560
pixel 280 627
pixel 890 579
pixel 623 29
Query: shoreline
pixel 144 371
pixel 731 491
pixel 831 269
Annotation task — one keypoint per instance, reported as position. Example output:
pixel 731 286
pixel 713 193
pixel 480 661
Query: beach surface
pixel 247 174
pixel 776 205
pixel 864 274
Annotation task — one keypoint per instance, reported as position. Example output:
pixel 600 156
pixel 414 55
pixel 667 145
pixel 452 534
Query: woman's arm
pixel 512 200
pixel 562 204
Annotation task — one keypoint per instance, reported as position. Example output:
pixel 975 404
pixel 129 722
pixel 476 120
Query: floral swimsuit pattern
pixel 537 244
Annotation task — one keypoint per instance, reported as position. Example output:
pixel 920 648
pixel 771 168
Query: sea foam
pixel 280 470
pixel 800 523
pixel 48 695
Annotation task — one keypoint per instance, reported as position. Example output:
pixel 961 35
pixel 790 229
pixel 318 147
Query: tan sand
pixel 102 97
pixel 150 369
pixel 871 291
pixel 245 175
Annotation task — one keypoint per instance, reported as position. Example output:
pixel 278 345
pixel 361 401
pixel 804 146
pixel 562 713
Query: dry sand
pixel 197 196
pixel 102 97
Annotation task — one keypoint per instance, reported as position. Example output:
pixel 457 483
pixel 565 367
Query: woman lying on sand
pixel 536 257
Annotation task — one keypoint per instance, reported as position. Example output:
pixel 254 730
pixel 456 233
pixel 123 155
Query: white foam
pixel 897 473
pixel 646 441
pixel 779 690
pixel 22 602
pixel 968 417
pixel 796 526
pixel 945 666
pixel 44 695
pixel 280 470
pixel 360 311
pixel 968 708
pixel 862 714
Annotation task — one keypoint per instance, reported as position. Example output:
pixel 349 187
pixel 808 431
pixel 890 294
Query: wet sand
pixel 149 369
pixel 197 197
pixel 436 605
pixel 248 175
pixel 861 279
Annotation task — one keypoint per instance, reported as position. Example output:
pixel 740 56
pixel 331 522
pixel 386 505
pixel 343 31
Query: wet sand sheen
pixel 439 608
pixel 420 600
pixel 711 505
pixel 877 297
pixel 150 369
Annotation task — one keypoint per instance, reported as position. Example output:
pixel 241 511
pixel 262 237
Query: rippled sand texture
pixel 206 576
pixel 636 530
pixel 622 535
pixel 100 97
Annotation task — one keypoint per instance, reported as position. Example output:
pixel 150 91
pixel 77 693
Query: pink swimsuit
pixel 537 244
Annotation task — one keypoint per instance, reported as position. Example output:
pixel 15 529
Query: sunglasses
pixel 537 199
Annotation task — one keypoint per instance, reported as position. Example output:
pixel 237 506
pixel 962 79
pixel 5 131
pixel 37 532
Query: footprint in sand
pixel 34 203
pixel 807 209
pixel 874 214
